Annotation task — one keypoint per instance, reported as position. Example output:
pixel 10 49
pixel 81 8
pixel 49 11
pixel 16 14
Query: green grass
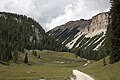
pixel 100 72
pixel 46 68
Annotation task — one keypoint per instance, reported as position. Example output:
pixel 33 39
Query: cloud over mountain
pixel 51 13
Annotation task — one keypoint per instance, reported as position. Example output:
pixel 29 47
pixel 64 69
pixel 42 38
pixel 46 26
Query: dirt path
pixel 81 76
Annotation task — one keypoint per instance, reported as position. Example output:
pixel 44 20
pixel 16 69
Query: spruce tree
pixel 114 30
pixel 26 59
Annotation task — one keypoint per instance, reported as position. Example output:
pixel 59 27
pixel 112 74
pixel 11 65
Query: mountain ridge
pixel 86 35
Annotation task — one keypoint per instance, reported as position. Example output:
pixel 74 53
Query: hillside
pixel 86 36
pixel 100 72
pixel 18 32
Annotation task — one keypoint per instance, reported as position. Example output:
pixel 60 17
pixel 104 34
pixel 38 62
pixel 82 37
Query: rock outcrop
pixel 84 34
pixel 98 24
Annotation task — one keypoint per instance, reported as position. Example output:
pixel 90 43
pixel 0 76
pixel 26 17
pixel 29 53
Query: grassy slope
pixel 100 72
pixel 44 68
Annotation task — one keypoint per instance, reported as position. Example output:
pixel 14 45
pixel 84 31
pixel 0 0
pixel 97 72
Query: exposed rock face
pixel 98 24
pixel 82 33
pixel 78 25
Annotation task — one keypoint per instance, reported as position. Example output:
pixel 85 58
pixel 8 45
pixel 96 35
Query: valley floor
pixel 51 66
pixel 57 66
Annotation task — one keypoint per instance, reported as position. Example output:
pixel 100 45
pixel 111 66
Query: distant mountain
pixel 85 36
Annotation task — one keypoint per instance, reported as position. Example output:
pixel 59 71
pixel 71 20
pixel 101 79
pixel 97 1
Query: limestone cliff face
pixel 99 21
pixel 83 33
pixel 98 24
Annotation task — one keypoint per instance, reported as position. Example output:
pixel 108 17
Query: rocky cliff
pixel 83 34
pixel 98 24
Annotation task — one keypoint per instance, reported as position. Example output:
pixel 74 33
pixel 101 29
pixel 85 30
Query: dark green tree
pixel 114 30
pixel 26 59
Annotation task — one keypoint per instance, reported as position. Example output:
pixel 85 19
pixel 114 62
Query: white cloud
pixel 51 13
pixel 20 6
pixel 78 10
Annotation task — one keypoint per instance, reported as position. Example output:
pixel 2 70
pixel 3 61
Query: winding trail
pixel 81 76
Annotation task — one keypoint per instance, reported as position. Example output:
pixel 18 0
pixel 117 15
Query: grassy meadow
pixel 57 66
pixel 51 66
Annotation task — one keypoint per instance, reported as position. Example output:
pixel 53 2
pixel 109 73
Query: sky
pixel 52 13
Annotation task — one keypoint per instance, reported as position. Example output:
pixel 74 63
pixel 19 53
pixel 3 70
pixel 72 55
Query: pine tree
pixel 114 30
pixel 26 59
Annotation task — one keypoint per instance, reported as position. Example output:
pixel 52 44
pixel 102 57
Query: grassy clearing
pixel 100 72
pixel 50 68
pixel 47 68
